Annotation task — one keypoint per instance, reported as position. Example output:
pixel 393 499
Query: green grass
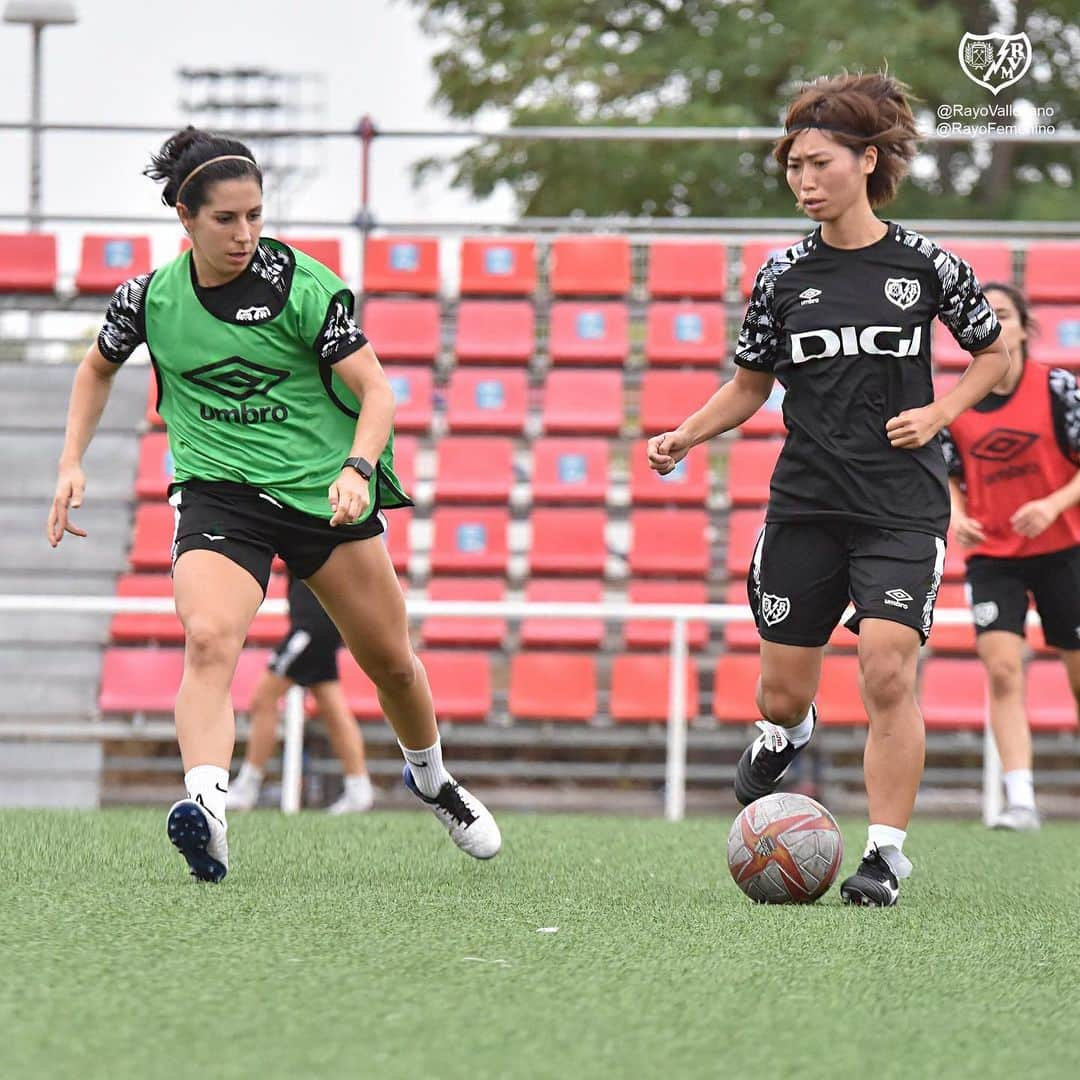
pixel 371 947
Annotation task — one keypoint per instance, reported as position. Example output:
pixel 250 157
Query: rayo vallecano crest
pixel 902 291
pixel 995 60
pixel 774 609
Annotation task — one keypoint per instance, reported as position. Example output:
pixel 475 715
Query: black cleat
pixel 873 885
pixel 764 762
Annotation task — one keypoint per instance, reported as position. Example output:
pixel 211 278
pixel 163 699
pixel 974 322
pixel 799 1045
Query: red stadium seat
pixel 404 330
pixel 679 270
pixel 991 262
pixel 108 261
pixel 750 468
pixel 734 688
pixel 947 354
pixel 151 548
pixel 768 421
pixel 1058 340
pixel 460 684
pixel 474 470
pixel 754 255
pixel 498 266
pixel 567 470
pixel 669 397
pixel 413 393
pixel 741 635
pixel 398 541
pixel 685 485
pixel 146 680
pixel 743 529
pixel 953 693
pixel 568 542
pixel 486 631
pixel 27 262
pixel 583 402
pixel 1050 702
pixel 552 686
pixel 566 633
pixel 492 401
pixel 639 689
pixel 1052 272
pixel 495 331
pixel 670 543
pixel 590 266
pixel 955 568
pixel 405 460
pixel 838 697
pixel 646 634
pixel 324 249
pixel 685 334
pixel 471 541
pixel 155 469
pixel 589 333
pixel 952 637
pixel 403 264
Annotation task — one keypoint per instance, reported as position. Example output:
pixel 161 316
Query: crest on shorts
pixel 985 613
pixel 995 60
pixel 902 291
pixel 774 609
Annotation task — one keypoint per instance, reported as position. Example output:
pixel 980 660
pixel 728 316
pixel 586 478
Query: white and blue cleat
pixel 200 838
pixel 465 817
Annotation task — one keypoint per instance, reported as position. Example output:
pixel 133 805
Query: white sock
pixel 250 775
pixel 1020 788
pixel 427 768
pixel 358 786
pixel 799 735
pixel 208 785
pixel 890 843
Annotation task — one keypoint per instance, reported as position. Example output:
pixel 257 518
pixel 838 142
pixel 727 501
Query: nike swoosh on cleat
pixel 224 791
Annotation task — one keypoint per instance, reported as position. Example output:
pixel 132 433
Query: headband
pixel 199 168
pixel 813 125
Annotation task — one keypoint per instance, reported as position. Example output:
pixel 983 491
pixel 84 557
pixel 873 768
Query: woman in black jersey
pixel 280 422
pixel 859 499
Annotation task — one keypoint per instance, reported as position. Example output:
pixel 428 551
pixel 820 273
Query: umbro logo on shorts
pixel 898 598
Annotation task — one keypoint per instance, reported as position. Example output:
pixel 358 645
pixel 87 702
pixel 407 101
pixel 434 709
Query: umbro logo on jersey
pixel 236 378
pixel 898 598
pixel 871 341
pixel 903 292
pixel 809 296
pixel 253 314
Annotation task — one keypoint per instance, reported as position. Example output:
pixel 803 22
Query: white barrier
pixel 679 615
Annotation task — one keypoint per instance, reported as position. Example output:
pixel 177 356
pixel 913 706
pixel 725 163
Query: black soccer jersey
pixel 848 335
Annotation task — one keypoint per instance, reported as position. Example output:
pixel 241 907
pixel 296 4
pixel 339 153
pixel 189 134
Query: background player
pixel 307 656
pixel 280 422
pixel 859 500
pixel 1015 509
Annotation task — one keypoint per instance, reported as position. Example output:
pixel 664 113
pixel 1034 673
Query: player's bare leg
pixel 263 717
pixel 359 590
pixel 348 744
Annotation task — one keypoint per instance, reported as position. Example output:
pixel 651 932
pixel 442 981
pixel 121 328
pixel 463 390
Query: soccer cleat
pixel 243 793
pixel 765 761
pixel 466 818
pixel 873 885
pixel 201 838
pixel 1018 819
pixel 352 804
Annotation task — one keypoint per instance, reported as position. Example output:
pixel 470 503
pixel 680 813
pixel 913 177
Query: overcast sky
pixel 119 64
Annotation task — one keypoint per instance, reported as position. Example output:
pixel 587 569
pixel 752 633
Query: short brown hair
pixel 859 111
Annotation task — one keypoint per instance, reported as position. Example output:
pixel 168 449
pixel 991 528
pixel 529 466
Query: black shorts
pixel 308 652
pixel 998 591
pixel 804 573
pixel 249 527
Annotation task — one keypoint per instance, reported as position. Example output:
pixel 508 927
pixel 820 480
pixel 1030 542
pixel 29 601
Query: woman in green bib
pixel 280 422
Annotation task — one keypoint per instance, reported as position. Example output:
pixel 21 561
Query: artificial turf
pixel 369 946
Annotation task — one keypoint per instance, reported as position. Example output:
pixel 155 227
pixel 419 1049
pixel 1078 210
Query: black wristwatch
pixel 361 465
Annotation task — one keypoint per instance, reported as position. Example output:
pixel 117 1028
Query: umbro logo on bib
pixel 903 292
pixel 236 378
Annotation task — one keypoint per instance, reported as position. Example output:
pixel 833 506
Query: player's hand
pixel 967 530
pixel 350 497
pixel 667 450
pixel 1034 517
pixel 70 485
pixel 914 427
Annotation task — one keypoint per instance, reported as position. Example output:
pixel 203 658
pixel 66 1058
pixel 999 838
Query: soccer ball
pixel 784 849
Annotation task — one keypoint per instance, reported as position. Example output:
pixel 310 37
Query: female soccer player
pixel 280 424
pixel 859 501
pixel 307 656
pixel 1013 471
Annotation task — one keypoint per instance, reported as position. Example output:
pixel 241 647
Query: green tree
pixel 710 62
